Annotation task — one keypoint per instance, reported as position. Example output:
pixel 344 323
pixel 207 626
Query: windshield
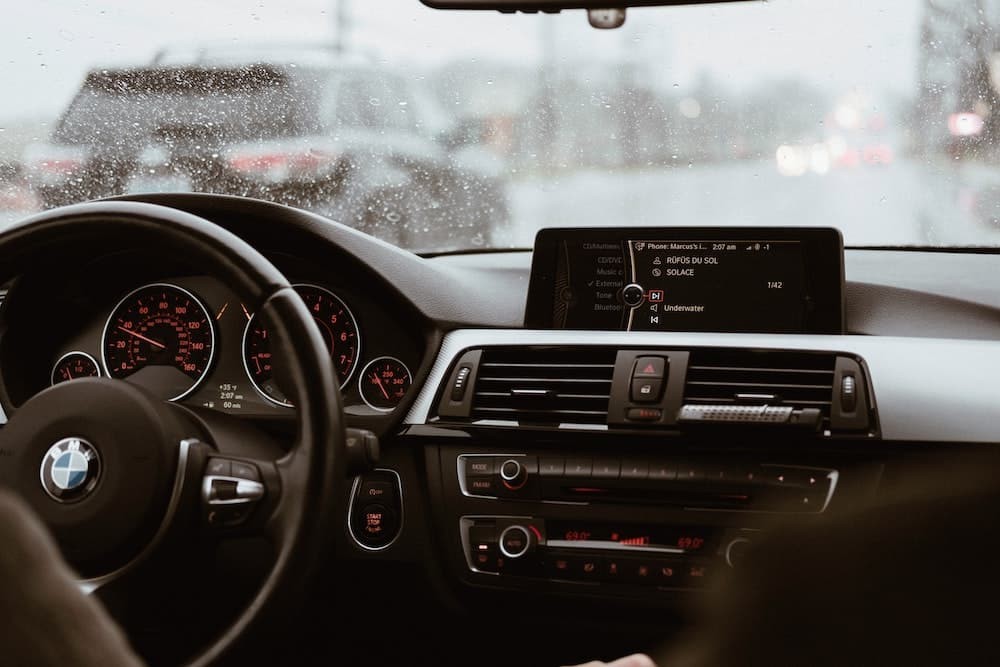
pixel 442 131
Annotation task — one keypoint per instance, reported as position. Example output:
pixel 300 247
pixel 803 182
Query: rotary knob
pixel 515 541
pixel 513 474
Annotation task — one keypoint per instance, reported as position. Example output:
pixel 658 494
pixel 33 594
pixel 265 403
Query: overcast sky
pixel 47 45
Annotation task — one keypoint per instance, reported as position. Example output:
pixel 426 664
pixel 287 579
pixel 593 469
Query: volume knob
pixel 513 474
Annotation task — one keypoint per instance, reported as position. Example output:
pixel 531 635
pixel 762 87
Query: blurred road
pixel 904 203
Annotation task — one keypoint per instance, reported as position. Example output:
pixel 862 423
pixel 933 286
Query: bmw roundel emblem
pixel 70 469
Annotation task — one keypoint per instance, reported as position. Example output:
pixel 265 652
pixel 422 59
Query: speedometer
pixel 159 337
pixel 337 326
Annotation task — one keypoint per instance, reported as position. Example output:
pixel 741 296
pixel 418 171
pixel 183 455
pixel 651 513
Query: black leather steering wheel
pixel 145 481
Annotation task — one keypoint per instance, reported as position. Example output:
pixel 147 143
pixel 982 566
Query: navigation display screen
pixel 777 280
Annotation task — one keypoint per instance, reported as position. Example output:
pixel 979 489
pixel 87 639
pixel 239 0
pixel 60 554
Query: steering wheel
pixel 116 474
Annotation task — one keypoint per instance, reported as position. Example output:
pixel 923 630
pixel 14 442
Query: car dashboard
pixel 521 477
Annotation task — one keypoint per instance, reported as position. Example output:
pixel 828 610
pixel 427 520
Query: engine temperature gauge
pixel 74 365
pixel 383 383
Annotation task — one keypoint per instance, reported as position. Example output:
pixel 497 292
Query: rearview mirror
pixel 599 13
pixel 557 5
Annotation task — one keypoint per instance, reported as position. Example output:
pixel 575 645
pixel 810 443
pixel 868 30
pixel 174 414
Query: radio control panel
pixel 761 487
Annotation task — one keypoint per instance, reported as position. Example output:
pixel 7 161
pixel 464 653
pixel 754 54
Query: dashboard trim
pixel 915 380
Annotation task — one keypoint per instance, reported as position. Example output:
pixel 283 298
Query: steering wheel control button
pixel 217 467
pixel 515 541
pixel 650 367
pixel 245 471
pixel 230 491
pixel 376 509
pixel 645 390
pixel 70 470
pixel 633 295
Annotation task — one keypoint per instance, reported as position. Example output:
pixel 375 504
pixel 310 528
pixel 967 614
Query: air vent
pixel 544 385
pixel 747 377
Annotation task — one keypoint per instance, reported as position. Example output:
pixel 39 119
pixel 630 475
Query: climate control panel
pixel 583 551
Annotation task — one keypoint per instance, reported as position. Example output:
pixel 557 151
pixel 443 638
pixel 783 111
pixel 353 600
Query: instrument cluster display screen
pixel 732 280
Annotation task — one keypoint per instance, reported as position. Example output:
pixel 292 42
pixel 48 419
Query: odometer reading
pixel 161 338
pixel 337 326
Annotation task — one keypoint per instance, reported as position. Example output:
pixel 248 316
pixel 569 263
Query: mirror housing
pixel 532 6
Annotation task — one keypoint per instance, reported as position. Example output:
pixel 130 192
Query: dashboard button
pixel 635 470
pixel 696 574
pixel 687 472
pixel 481 486
pixel 587 568
pixel 378 525
pixel 646 390
pixel 579 467
pixel 662 471
pixel 644 414
pixel 668 573
pixel 479 465
pixel 557 566
pixel 640 571
pixel 551 467
pixel 372 491
pixel 606 469
pixel 515 541
pixel 649 367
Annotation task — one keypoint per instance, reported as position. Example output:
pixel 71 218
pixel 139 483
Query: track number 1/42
pixel 773 284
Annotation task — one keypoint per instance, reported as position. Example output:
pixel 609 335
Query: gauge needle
pixel 141 337
pixel 378 381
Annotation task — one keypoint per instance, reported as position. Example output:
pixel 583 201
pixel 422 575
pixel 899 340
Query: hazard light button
pixel 649 368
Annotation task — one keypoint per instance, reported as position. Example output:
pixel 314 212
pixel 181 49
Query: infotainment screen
pixel 734 279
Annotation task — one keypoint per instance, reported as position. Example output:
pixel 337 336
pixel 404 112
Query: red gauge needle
pixel 141 337
pixel 69 376
pixel 378 381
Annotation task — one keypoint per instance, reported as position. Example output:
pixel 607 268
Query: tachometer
pixel 161 338
pixel 337 326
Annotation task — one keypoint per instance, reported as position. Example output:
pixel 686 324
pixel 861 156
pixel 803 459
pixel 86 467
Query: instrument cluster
pixel 191 340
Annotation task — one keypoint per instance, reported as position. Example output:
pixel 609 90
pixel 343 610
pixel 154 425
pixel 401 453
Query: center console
pixel 598 453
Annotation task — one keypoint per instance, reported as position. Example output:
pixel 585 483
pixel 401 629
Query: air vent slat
pixel 545 385
pixel 797 379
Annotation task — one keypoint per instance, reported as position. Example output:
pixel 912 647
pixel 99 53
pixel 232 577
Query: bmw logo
pixel 70 470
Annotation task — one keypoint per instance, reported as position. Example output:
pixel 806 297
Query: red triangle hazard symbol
pixel 649 369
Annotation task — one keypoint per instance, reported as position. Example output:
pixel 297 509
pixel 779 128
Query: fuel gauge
pixel 383 383
pixel 74 365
